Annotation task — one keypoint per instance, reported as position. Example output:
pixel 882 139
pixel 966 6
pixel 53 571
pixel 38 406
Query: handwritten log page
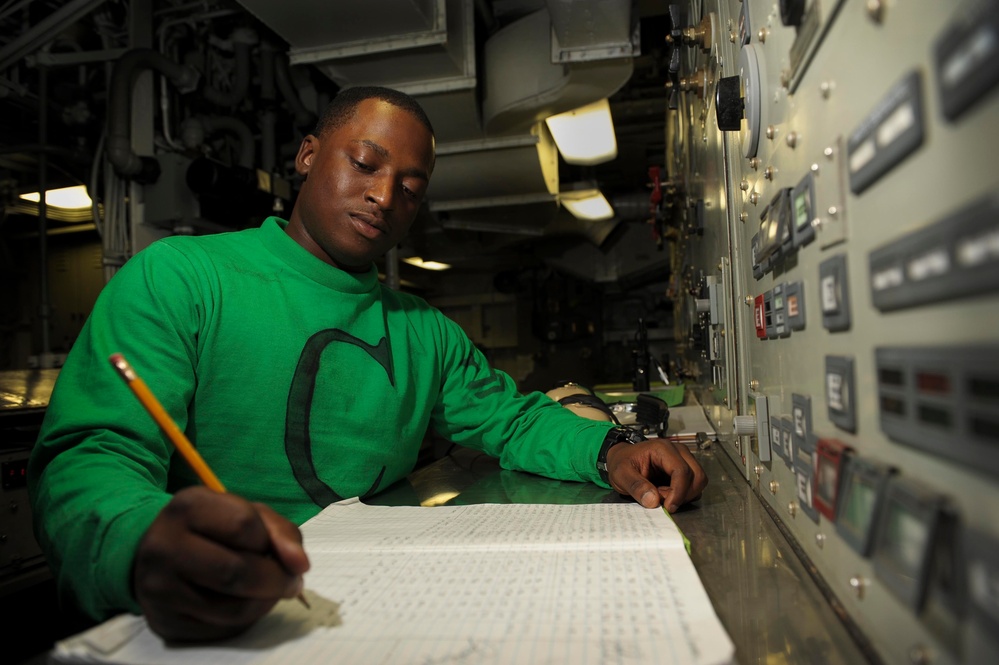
pixel 498 583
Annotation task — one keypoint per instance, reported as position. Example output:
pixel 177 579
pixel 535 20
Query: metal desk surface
pixel 771 607
pixel 27 389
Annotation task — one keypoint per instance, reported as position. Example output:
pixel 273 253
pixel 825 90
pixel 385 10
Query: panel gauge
pixel 904 539
pixel 803 211
pixel 861 497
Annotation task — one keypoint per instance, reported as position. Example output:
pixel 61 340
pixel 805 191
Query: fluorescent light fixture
pixel 426 265
pixel 585 135
pixel 588 204
pixel 68 198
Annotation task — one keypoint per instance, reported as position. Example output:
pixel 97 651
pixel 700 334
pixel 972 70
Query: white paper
pixel 488 583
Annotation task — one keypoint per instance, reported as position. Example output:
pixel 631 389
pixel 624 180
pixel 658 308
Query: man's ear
pixel 306 154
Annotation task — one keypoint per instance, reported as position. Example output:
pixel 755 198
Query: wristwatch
pixel 615 435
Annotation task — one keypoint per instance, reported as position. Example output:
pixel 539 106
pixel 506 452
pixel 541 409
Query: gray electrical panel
pixel 860 179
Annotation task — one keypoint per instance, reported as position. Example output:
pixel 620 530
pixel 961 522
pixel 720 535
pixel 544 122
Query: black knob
pixel 728 103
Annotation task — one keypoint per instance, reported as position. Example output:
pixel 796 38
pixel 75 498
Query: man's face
pixel 365 183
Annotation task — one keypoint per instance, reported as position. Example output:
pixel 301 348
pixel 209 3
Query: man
pixel 300 379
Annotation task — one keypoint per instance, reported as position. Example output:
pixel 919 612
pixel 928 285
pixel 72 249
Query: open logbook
pixel 487 583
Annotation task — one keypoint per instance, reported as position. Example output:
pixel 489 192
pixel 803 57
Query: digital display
pixel 892 405
pixel 778 302
pixel 934 415
pixel 858 508
pixel 930 382
pixel 891 377
pixel 909 527
pixel 905 540
pixel 802 215
pixel 986 388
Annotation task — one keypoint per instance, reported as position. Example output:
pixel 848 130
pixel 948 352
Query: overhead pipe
pixel 44 320
pixel 119 135
pixel 304 118
pixel 268 116
pixel 243 40
pixel 194 130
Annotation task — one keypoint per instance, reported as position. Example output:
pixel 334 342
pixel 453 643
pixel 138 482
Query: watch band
pixel 615 435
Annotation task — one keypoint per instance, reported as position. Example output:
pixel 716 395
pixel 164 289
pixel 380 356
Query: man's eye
pixel 362 166
pixel 410 193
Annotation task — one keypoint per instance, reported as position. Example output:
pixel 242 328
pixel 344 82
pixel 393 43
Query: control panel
pixel 840 157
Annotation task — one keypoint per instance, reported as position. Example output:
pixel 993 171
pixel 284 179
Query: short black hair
pixel 342 108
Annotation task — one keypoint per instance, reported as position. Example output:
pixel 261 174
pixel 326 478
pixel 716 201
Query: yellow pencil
pixel 169 427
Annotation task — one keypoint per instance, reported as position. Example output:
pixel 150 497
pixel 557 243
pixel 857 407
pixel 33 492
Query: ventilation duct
pixel 556 58
pixel 523 85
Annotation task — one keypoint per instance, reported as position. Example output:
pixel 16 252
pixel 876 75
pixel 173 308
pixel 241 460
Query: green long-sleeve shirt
pixel 299 384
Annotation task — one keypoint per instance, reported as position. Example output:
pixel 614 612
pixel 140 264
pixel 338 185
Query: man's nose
pixel 381 191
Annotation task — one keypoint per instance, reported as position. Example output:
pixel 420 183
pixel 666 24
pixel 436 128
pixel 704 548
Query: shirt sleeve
pixel 97 476
pixel 480 407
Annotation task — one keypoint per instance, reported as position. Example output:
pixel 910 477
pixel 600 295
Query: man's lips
pixel 370 226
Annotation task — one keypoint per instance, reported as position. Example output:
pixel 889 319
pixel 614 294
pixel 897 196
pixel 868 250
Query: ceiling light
pixel 585 135
pixel 426 265
pixel 68 198
pixel 588 204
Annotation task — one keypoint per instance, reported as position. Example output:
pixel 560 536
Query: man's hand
pixel 656 472
pixel 212 564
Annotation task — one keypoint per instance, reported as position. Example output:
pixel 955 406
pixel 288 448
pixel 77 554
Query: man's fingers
pixel 210 565
pixel 698 480
pixel 286 540
pixel 656 472
pixel 644 493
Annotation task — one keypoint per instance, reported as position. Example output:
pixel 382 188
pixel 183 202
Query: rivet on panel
pixel 771 132
pixel 754 163
pixel 744 185
pixel 774 486
pixel 826 88
pixel 876 10
pixel 815 169
pixel 833 211
pixel 791 139
pixel 754 197
pixel 820 539
pixel 762 35
pixel 754 384
pixel 919 655
pixel 743 216
pixel 769 173
pixel 858 584
pixel 792 508
pixel 829 152
pixel 749 303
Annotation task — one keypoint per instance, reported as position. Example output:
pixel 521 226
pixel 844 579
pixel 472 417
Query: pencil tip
pixel 301 597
